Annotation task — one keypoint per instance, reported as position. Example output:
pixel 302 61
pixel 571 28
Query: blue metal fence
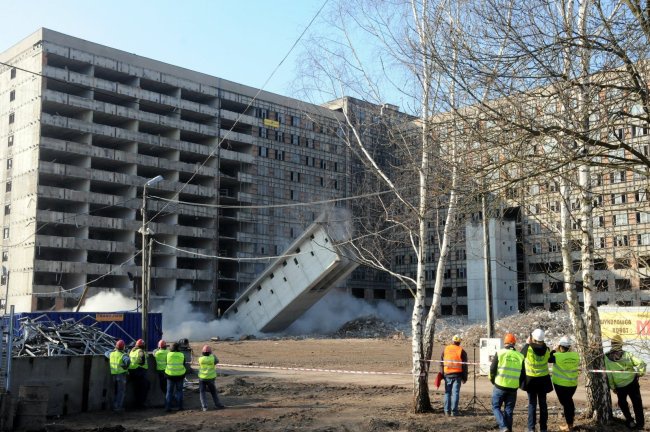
pixel 121 325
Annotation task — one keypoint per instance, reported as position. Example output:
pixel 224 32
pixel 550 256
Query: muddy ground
pixel 285 396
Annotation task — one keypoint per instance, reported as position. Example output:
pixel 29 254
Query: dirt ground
pixel 309 385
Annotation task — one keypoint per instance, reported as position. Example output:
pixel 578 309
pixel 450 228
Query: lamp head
pixel 154 180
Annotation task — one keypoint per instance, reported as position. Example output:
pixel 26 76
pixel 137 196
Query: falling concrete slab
pixel 304 273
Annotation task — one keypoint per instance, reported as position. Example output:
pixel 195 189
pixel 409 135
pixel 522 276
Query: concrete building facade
pixel 84 126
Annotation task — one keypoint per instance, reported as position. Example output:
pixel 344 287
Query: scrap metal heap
pixel 42 337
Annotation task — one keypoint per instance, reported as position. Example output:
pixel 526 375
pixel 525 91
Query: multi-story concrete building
pixel 83 127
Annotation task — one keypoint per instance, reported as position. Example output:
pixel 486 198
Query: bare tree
pixel 418 156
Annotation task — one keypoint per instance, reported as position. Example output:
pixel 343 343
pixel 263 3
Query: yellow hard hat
pixel 617 341
pixel 456 338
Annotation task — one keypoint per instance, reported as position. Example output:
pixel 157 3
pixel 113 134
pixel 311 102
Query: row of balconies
pixel 85 220
pixel 71 171
pixel 602 296
pixel 128 113
pixel 137 93
pixel 625 273
pixel 129 69
pixel 127 90
pixel 120 270
pixel 202 150
pixel 126 157
pixel 84 244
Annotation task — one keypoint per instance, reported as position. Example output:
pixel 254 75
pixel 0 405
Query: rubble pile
pixel 555 325
pixel 42 338
pixel 446 328
pixel 369 327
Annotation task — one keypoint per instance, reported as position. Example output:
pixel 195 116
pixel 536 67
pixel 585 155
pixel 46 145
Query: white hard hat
pixel 565 341
pixel 538 335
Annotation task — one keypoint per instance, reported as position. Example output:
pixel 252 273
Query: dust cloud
pixel 109 301
pixel 337 308
pixel 181 320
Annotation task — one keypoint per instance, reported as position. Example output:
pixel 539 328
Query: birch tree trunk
pixel 596 386
pixel 421 354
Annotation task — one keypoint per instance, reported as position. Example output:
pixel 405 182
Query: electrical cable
pixel 119 266
pixel 241 259
pixel 269 206
pixel 89 212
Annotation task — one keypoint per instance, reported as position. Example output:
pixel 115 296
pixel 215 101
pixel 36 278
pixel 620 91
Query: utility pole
pixel 146 260
pixel 487 269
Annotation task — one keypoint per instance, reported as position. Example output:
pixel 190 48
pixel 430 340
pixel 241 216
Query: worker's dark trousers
pixel 565 396
pixel 162 381
pixel 138 377
pixel 634 392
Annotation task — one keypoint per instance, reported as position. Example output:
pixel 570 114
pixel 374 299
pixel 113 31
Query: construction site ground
pixel 288 396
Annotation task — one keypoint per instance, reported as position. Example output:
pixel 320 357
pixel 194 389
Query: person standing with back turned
pixel 138 373
pixel 624 381
pixel 454 369
pixel 160 355
pixel 207 377
pixel 506 373
pixel 175 373
pixel 119 363
pixel 565 378
pixel 538 381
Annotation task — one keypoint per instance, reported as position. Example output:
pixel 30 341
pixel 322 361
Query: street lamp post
pixel 146 259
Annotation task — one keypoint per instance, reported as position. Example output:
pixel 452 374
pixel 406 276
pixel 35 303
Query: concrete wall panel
pixel 75 384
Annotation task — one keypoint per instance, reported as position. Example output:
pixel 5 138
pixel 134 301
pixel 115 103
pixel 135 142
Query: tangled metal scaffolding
pixel 42 337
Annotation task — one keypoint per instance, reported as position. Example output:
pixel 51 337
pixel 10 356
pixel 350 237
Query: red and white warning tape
pixel 313 369
pixel 454 361
pixel 356 372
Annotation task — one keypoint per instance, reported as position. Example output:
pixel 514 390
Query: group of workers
pixel 171 368
pixel 528 369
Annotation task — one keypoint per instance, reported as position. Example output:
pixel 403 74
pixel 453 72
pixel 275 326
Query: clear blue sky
pixel 242 41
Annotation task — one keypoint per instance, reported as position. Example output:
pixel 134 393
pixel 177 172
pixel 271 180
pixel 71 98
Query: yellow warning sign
pixel 109 317
pixel 271 123
pixel 629 324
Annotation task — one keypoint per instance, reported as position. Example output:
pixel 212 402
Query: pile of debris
pixel 369 327
pixel 555 325
pixel 42 338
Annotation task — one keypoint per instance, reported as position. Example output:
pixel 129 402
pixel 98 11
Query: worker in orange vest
pixel 454 370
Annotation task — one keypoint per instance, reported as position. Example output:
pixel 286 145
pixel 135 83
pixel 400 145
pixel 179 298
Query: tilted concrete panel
pixel 293 283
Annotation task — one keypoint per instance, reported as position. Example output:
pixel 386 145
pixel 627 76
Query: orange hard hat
pixel 162 344
pixel 119 344
pixel 509 339
pixel 206 349
pixel 139 343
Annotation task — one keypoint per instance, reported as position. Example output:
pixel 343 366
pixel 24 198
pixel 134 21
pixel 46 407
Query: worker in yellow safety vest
pixel 624 381
pixel 138 373
pixel 207 377
pixel 119 363
pixel 175 372
pixel 538 380
pixel 506 372
pixel 160 355
pixel 566 365
pixel 454 369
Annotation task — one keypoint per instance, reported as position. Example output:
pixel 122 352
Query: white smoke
pixel 109 301
pixel 181 320
pixel 337 308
